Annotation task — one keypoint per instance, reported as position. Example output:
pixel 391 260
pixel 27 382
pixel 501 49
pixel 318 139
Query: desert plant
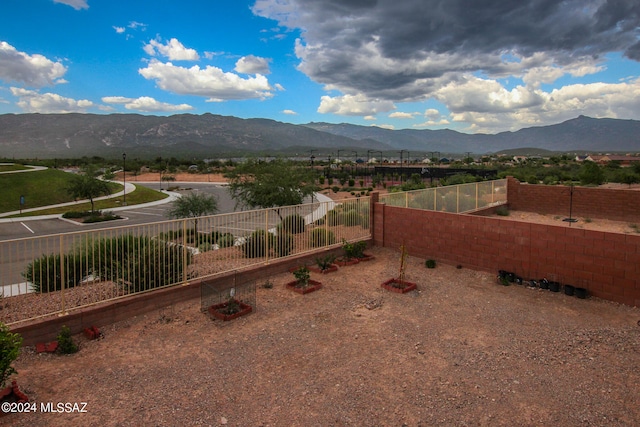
pixel 350 217
pixel 284 244
pixel 353 250
pixel 320 237
pixel 44 273
pixel 66 345
pixel 144 262
pixel 258 244
pixel 10 344
pixel 430 263
pixel 226 240
pixel 302 276
pixel 293 224
pixel 502 211
pixel 325 262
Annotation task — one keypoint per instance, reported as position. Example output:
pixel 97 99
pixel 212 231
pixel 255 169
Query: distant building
pixel 603 160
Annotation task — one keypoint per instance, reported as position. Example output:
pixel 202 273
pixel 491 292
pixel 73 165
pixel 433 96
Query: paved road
pixel 17 228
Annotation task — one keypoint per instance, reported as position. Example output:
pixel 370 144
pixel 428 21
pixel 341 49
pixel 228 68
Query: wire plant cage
pixel 227 299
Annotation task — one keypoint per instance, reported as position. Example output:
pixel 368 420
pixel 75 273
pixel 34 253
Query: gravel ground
pixel 461 350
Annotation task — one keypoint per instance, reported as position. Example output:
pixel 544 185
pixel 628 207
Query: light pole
pixel 401 152
pixel 124 178
pixel 312 157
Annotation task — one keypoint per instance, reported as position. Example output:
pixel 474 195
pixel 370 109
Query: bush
pixel 284 244
pixel 75 214
pixel 65 341
pixel 353 250
pixel 502 211
pixel 45 276
pixel 430 263
pixel 143 262
pixel 320 237
pixel 258 244
pixel 334 218
pixel 293 224
pixel 351 217
pixel 226 240
pixel 335 188
pixel 10 344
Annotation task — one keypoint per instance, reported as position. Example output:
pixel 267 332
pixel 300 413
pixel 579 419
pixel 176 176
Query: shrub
pixel 302 276
pixel 320 237
pixel 334 218
pixel 284 244
pixel 353 250
pixel 75 214
pixel 65 341
pixel 143 262
pixel 10 344
pixel 258 244
pixel 350 217
pixel 335 188
pixel 325 262
pixel 45 276
pixel 226 240
pixel 430 263
pixel 293 223
pixel 502 211
pixel 352 182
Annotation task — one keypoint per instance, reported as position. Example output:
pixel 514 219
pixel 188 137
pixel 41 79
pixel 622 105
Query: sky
pixel 475 66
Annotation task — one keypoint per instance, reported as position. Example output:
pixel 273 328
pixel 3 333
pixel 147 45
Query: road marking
pixel 25 226
pixel 145 213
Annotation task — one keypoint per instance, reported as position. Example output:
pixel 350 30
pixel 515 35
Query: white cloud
pixel 31 101
pixel 135 25
pixel 32 70
pixel 173 50
pixel 253 65
pixel 401 115
pixel 145 104
pixel 432 113
pixel 488 107
pixel 290 112
pixel 119 30
pixel 353 105
pixel 210 82
pixel 76 4
pixel 370 118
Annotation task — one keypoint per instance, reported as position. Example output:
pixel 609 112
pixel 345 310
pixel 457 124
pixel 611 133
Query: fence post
pixel 266 236
pixel 62 276
pixel 477 183
pixel 184 250
pixel 406 199
pixel 457 199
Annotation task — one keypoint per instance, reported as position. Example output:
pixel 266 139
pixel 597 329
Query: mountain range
pixel 208 135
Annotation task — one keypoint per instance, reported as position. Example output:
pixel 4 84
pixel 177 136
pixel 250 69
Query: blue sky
pixel 466 65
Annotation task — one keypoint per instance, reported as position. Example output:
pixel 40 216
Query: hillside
pixel 198 136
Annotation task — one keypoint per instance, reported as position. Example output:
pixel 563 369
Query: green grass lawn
pixel 49 187
pixel 8 168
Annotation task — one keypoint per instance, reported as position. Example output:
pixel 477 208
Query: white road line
pixel 144 213
pixel 25 226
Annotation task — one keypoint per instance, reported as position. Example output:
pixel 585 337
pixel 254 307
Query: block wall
pixel 607 264
pixel 617 205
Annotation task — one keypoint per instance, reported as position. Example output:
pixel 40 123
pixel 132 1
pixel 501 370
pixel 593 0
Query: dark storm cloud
pixel 393 48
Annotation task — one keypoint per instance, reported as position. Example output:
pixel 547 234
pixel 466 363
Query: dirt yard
pixel 461 350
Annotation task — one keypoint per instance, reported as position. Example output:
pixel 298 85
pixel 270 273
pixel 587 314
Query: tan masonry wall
pixel 607 264
pixel 46 330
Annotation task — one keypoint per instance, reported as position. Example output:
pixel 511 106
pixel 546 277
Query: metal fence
pixel 56 274
pixel 455 198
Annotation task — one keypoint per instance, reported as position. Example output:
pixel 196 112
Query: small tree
pixel 10 344
pixel 87 186
pixel 194 205
pixel 591 173
pixel 259 184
